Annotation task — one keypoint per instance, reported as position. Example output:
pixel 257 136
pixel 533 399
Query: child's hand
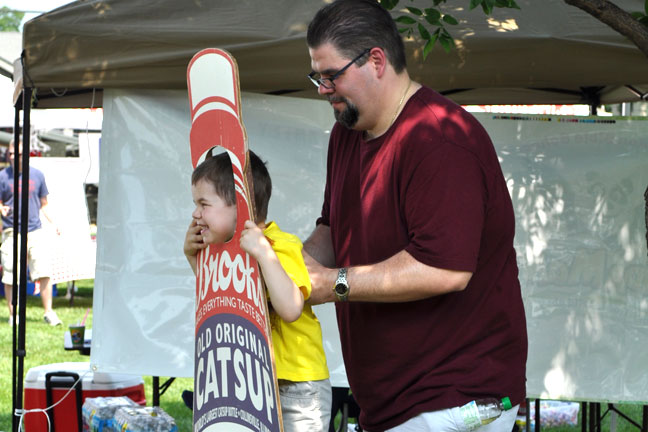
pixel 193 240
pixel 254 242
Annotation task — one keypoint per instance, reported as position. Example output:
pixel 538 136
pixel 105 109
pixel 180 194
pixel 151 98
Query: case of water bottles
pixel 143 419
pixel 121 414
pixel 98 413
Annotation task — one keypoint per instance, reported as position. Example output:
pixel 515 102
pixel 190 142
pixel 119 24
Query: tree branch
pixel 618 19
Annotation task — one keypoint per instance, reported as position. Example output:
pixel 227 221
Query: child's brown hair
pixel 217 170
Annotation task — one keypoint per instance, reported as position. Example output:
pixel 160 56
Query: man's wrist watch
pixel 341 287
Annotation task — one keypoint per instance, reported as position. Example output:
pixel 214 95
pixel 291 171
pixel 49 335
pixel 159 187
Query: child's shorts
pixel 306 405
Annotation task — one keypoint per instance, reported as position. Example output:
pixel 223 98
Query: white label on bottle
pixel 470 415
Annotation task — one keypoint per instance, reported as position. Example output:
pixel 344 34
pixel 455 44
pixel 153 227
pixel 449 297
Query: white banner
pixel 144 287
pixel 577 186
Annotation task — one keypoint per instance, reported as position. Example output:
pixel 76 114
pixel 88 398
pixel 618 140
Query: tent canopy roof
pixel 547 52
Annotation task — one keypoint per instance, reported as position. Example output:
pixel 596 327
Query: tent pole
pixel 156 391
pixel 14 298
pixel 24 218
pixel 592 97
pixel 593 109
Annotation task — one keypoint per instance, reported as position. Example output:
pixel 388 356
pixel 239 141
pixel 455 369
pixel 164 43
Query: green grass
pixel 633 411
pixel 630 410
pixel 44 345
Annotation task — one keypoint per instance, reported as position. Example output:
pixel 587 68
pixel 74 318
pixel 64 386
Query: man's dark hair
pixel 217 170
pixel 352 26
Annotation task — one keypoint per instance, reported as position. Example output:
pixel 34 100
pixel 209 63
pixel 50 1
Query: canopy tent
pixel 76 51
pixel 547 52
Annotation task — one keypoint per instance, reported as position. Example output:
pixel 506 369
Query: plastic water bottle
pixel 483 411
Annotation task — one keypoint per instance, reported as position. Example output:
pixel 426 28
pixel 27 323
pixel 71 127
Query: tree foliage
pixel 10 19
pixel 642 17
pixel 431 24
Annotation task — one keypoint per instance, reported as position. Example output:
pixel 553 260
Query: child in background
pixel 304 387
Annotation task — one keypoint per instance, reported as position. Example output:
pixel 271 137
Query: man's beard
pixel 349 116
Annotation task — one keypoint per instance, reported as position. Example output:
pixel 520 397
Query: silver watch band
pixel 341 286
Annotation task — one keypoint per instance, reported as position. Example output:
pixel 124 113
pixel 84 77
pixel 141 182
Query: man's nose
pixel 196 213
pixel 323 91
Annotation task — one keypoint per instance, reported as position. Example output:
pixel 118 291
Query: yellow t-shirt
pixel 298 348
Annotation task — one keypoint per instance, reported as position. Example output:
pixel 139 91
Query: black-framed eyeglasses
pixel 328 83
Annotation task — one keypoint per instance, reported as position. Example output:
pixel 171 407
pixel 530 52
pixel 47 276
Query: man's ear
pixel 378 60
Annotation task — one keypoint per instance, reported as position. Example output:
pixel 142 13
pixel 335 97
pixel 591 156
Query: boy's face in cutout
pixel 212 214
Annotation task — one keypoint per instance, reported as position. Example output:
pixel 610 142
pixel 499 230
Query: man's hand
pixel 322 280
pixel 5 210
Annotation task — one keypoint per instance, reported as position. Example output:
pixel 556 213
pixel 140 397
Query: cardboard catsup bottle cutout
pixel 235 385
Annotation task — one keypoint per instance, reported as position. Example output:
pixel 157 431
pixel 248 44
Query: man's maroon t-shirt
pixel 432 186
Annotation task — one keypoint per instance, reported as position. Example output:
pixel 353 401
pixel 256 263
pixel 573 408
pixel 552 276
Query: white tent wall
pixel 577 186
pixel 578 192
pixel 144 289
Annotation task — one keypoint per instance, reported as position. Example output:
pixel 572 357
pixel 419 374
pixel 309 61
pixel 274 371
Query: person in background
pixel 302 372
pixel 38 249
pixel 415 238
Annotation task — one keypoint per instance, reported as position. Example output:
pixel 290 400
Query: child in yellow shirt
pixel 304 386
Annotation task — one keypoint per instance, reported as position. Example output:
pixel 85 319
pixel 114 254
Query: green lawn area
pixel 633 411
pixel 44 345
